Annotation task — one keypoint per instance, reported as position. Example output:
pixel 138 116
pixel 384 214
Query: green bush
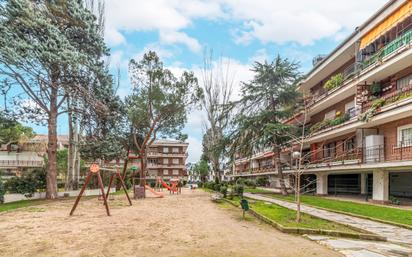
pixel 262 181
pixel 240 181
pixel 250 183
pixel 200 184
pixel 2 191
pixel 217 187
pixel 223 190
pixel 152 184
pixel 334 82
pixel 239 190
pixel 24 185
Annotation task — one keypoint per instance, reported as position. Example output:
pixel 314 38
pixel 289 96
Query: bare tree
pixel 218 82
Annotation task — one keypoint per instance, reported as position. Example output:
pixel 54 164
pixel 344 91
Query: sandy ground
pixel 185 225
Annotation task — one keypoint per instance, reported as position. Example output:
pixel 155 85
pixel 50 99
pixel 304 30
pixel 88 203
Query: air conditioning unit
pixel 374 150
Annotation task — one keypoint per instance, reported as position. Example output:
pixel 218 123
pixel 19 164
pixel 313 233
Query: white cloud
pixel 194 149
pixel 172 37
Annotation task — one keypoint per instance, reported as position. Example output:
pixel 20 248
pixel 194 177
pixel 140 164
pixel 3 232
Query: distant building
pixel 29 155
pixel 167 159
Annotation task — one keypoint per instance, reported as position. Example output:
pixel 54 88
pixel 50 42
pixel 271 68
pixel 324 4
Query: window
pixel 350 108
pixel 175 161
pixel 404 82
pixel 165 149
pixel 329 150
pixel 175 172
pixel 405 135
pixel 330 115
pixel 350 145
pixel 175 149
pixel 165 172
pixel 165 161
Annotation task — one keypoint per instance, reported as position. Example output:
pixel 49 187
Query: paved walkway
pixel 392 233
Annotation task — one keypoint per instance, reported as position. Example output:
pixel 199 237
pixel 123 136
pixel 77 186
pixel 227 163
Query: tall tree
pixel 266 100
pixel 217 80
pixel 11 131
pixel 51 50
pixel 159 103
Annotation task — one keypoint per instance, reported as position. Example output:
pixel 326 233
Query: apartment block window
pixel 165 172
pixel 329 150
pixel 350 145
pixel 175 172
pixel 350 109
pixel 175 149
pixel 404 82
pixel 330 115
pixel 405 135
pixel 165 161
pixel 165 149
pixel 175 161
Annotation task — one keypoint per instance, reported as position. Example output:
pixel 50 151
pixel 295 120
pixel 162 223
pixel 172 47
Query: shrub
pixel 223 190
pixel 24 185
pixel 239 190
pixel 334 82
pixel 200 184
pixel 240 181
pixel 250 183
pixel 152 184
pixel 262 181
pixel 2 191
pixel 217 187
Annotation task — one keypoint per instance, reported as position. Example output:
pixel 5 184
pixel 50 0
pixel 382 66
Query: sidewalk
pixel 392 233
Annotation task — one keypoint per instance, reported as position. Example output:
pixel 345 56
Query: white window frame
pixel 175 150
pixel 165 161
pixel 175 161
pixel 350 108
pixel 175 172
pixel 408 126
pixel 165 172
pixel 165 149
pixel 330 114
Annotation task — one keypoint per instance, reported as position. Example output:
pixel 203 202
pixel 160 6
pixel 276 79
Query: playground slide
pixel 157 194
pixel 165 185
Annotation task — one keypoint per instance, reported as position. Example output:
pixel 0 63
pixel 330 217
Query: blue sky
pixel 240 31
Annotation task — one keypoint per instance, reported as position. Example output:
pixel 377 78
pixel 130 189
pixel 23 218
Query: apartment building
pixel 359 100
pixel 14 158
pixel 167 159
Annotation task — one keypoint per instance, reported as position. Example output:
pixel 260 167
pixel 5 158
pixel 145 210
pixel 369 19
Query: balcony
pixel 160 154
pixel 401 151
pixel 20 163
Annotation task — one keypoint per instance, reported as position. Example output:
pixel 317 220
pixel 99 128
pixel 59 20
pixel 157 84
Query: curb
pixel 302 231
pixel 346 213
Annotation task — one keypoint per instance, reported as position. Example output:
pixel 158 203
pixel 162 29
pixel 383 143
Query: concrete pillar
pixel 380 186
pixel 321 184
pixel 363 181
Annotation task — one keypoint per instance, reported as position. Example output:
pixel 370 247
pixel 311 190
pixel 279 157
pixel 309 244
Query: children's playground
pixel 185 224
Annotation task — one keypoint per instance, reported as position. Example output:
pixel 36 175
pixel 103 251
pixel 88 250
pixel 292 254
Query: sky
pixel 238 31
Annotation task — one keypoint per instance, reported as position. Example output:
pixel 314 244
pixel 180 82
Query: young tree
pixel 202 170
pixel 217 83
pixel 159 103
pixel 266 101
pixel 50 50
pixel 12 131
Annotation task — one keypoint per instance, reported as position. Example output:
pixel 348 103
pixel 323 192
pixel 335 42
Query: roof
pixel 41 138
pixel 169 142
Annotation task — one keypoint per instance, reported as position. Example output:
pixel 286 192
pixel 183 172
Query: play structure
pixel 94 170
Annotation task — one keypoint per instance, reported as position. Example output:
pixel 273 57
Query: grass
pixel 367 210
pixel 20 204
pixel 287 217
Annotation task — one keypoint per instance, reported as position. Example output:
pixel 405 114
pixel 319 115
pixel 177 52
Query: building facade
pixel 359 102
pixel 167 159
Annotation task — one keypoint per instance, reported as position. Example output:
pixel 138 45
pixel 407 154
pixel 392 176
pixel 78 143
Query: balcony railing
pixel 404 39
pixel 20 163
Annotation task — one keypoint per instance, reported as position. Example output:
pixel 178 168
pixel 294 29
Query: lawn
pixel 20 204
pixel 287 217
pixel 368 210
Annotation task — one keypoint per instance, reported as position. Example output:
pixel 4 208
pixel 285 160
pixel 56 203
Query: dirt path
pixel 185 225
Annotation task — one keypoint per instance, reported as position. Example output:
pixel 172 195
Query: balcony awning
pixel 396 17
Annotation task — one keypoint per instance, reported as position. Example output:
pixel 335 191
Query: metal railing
pixel 20 163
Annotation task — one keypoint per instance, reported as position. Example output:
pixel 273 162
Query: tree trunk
pixel 71 154
pixel 143 167
pixel 278 167
pixel 51 178
pixel 297 190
